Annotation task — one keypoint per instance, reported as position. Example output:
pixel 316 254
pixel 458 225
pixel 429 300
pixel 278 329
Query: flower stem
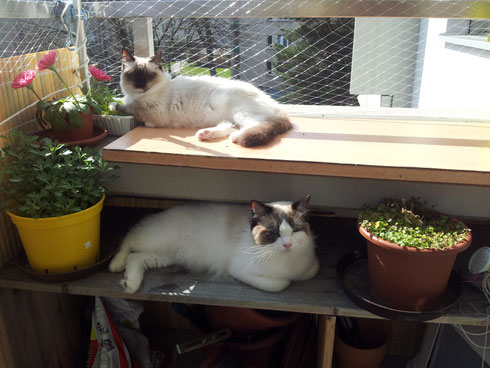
pixel 66 86
pixel 32 89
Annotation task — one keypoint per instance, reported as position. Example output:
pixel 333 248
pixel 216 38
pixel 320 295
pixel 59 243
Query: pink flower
pixel 47 60
pixel 99 74
pixel 23 79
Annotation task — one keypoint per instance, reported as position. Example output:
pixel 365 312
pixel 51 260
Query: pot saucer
pixel 352 269
pixel 99 134
pixel 107 250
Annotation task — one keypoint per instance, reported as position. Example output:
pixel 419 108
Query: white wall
pixel 345 196
pixel 384 58
pixel 453 76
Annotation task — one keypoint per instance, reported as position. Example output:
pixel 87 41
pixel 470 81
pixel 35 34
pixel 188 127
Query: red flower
pixel 47 60
pixel 23 79
pixel 99 74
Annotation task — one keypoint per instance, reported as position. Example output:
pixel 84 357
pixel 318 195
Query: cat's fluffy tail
pixel 264 132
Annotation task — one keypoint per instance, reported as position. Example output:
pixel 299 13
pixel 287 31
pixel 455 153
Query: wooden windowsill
pixel 421 151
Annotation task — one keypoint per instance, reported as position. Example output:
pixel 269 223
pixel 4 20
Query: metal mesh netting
pixel 297 54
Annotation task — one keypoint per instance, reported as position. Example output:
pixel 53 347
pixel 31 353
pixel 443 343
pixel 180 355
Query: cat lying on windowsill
pixel 264 245
pixel 216 105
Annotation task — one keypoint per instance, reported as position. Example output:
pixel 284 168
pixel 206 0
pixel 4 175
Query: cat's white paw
pixel 130 285
pixel 205 134
pixel 234 136
pixel 113 106
pixel 118 263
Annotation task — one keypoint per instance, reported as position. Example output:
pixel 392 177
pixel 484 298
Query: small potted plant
pixel 71 118
pixel 112 121
pixel 411 251
pixel 53 194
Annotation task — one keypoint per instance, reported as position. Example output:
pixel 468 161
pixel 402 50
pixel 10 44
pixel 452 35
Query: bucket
pixel 61 244
pixel 373 335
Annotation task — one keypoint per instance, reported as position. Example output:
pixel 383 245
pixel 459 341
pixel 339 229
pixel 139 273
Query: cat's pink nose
pixel 287 245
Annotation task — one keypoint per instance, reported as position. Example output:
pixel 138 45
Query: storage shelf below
pixel 321 295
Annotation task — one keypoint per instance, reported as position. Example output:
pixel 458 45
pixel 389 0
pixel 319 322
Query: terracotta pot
pixel 72 134
pixel 262 353
pixel 245 320
pixel 409 278
pixel 373 335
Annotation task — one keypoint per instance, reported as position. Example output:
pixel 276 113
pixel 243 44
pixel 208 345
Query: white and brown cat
pixel 216 105
pixel 263 245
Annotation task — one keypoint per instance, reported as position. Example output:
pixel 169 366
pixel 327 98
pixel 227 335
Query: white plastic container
pixel 115 125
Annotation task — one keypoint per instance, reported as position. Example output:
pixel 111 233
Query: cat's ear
pixel 157 59
pixel 301 205
pixel 126 56
pixel 258 209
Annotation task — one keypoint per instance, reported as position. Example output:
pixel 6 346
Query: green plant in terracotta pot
pixel 71 118
pixel 109 119
pixel 411 251
pixel 53 194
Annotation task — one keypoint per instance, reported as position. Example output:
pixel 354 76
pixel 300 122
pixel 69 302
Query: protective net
pixel 372 53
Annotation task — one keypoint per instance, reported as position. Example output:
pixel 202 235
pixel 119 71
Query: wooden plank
pixel 320 295
pixel 41 330
pixel 9 240
pixel 456 153
pixel 6 359
pixel 326 336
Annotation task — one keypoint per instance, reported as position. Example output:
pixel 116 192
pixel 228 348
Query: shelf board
pixel 455 152
pixel 321 295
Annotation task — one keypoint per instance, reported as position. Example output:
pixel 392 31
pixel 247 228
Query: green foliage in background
pixel 103 97
pixel 315 67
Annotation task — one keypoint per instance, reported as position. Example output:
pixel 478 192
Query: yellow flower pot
pixel 61 244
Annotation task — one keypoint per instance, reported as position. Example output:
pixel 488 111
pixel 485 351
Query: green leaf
pixel 70 107
pixel 49 115
pixel 82 99
pixel 84 108
pixel 42 105
pixel 59 120
pixel 46 180
pixel 76 120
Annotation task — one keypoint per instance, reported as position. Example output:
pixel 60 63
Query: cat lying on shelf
pixel 217 105
pixel 263 245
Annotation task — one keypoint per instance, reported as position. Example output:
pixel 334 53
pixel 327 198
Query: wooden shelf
pixel 455 152
pixel 321 295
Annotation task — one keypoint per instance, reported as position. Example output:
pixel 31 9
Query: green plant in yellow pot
pixel 54 195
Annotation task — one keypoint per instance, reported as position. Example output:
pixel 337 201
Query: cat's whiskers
pixel 259 255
